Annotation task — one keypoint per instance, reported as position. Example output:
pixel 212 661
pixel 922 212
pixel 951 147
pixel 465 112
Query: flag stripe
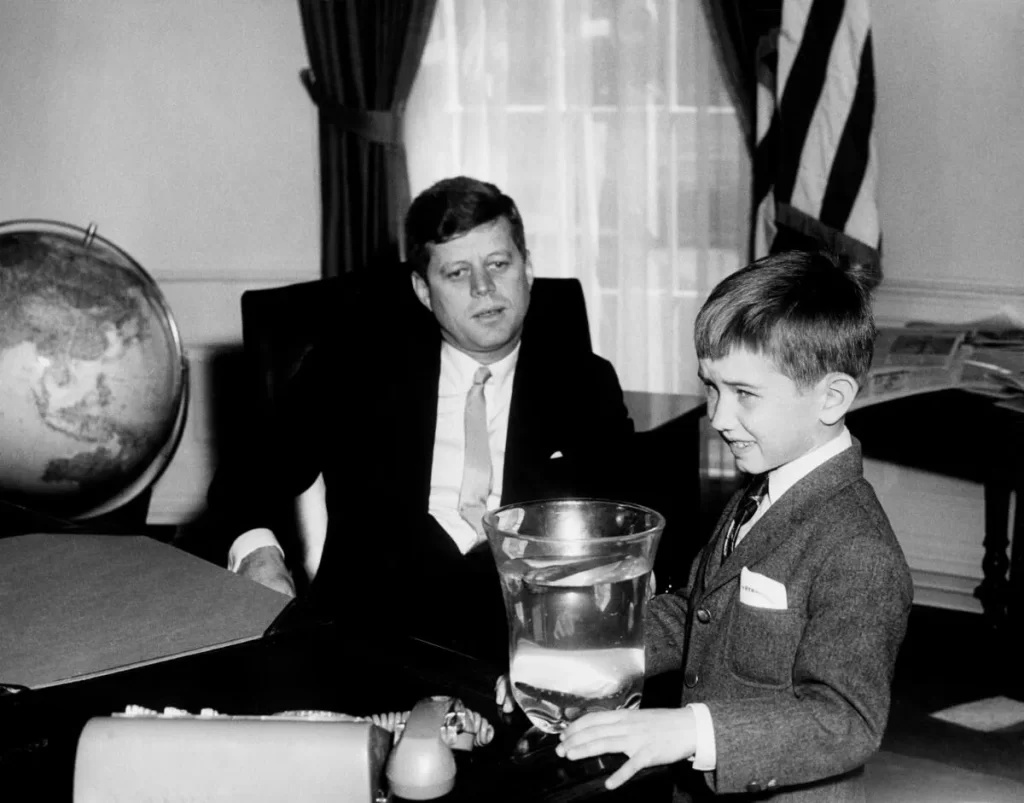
pixel 830 116
pixel 794 15
pixel 851 158
pixel 815 164
pixel 765 155
pixel 862 223
pixel 803 88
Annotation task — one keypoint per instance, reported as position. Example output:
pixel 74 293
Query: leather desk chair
pixel 280 325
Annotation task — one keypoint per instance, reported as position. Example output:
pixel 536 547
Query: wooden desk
pixel 73 606
pixel 303 665
pixel 966 436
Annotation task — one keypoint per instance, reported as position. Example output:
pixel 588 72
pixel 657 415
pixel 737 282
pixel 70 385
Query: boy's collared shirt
pixel 785 477
pixel 780 480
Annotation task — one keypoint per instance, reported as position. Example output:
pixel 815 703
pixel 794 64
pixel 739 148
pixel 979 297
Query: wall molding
pixel 944 301
pixel 252 279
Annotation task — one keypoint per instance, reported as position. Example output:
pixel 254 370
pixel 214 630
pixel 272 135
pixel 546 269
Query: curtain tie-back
pixel 384 127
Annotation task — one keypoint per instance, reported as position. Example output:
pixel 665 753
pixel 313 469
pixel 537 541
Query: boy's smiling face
pixel 763 415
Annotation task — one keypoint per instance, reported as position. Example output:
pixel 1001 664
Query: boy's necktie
pixel 476 471
pixel 751 500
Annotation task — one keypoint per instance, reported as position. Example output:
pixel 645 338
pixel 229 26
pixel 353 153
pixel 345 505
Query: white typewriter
pixel 177 756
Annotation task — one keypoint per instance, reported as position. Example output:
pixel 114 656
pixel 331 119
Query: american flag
pixel 815 164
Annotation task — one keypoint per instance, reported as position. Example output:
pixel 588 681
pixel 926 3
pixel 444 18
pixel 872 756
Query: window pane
pixel 607 344
pixel 526 43
pixel 608 262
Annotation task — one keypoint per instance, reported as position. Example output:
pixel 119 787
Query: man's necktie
pixel 476 471
pixel 750 501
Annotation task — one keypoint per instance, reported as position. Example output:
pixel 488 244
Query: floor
pixel 949 658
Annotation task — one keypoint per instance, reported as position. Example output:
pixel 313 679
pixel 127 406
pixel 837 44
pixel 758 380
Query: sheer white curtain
pixel 610 125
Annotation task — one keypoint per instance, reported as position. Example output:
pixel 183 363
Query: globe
pixel 93 377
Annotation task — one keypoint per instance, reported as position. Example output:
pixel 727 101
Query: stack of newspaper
pixel 985 357
pixel 993 364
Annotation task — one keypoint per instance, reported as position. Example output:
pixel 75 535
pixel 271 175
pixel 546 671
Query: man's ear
pixel 419 286
pixel 839 392
pixel 528 268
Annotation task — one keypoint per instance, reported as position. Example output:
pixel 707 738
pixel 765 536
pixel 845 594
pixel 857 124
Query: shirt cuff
pixel 705 757
pixel 248 542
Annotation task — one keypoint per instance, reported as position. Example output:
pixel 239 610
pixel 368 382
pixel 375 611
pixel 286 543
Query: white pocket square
pixel 760 591
pixel 555 456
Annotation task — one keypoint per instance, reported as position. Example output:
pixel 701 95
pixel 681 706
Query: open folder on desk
pixel 74 606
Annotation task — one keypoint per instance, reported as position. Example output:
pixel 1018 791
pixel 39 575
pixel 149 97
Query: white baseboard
pixel 945 591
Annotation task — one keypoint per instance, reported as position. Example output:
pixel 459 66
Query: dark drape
pixel 740 30
pixel 736 28
pixel 363 57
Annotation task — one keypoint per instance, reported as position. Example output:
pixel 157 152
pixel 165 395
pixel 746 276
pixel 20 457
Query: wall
pixel 951 153
pixel 181 129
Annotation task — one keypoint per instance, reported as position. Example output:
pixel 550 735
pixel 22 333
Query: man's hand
pixel 650 737
pixel 266 566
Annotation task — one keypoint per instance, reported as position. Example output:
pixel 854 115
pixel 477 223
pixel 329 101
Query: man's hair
pixel 810 314
pixel 452 207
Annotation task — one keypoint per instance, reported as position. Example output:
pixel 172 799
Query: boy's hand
pixel 503 695
pixel 650 737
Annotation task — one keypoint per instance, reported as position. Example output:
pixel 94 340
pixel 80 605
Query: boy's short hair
pixel 810 314
pixel 452 207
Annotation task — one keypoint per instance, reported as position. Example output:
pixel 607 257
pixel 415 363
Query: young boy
pixel 788 631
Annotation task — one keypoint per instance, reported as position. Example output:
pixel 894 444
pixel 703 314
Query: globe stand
pixel 17 519
pixel 129 519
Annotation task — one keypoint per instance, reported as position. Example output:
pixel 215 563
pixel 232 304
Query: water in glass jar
pixel 577 637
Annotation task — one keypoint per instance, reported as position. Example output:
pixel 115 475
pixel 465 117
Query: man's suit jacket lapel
pixel 529 413
pixel 782 518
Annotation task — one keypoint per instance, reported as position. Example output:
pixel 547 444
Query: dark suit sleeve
pixel 278 458
pixel 833 720
pixel 600 459
pixel 665 632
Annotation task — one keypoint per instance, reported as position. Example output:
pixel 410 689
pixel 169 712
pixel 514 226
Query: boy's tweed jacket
pixel 799 698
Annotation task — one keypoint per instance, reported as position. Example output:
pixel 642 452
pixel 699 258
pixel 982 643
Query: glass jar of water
pixel 575 575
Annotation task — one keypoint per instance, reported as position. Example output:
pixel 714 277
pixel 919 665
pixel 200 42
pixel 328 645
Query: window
pixel 609 123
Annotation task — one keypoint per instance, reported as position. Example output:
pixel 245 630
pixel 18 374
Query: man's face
pixel 478 287
pixel 764 417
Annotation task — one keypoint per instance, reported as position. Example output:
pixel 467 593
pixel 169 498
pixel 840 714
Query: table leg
pixel 994 589
pixel 1015 592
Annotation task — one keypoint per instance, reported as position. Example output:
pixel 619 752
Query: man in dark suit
pixel 417 423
